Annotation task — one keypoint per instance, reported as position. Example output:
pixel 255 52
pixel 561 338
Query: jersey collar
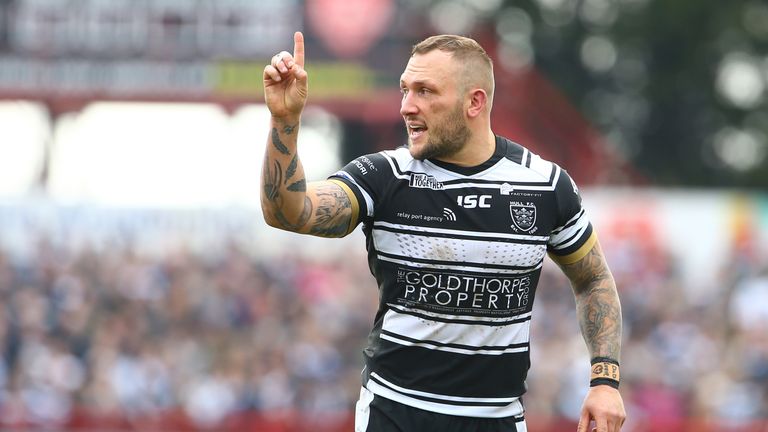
pixel 501 150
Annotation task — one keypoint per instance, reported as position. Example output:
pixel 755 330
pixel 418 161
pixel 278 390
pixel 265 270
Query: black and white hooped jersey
pixel 457 253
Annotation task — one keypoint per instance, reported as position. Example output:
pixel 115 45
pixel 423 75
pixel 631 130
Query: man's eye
pixel 424 91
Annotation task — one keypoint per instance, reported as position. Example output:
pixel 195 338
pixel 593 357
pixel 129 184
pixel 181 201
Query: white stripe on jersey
pixel 483 337
pixel 390 158
pixel 489 235
pixel 407 245
pixel 498 186
pixel 560 240
pixel 476 269
pixel 457 350
pixel 581 228
pixel 384 388
pixel 568 222
pixel 524 157
pixel 457 399
pixel 479 319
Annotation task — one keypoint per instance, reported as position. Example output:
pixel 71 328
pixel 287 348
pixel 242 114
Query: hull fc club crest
pixel 523 216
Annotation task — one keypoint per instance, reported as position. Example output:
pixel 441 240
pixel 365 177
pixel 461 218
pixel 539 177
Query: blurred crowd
pixel 691 356
pixel 118 332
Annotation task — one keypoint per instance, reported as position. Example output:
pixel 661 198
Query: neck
pixel 478 149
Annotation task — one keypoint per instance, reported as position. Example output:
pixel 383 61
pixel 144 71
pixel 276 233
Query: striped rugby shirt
pixel 457 253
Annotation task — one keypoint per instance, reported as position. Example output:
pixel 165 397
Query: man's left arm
pixel 599 313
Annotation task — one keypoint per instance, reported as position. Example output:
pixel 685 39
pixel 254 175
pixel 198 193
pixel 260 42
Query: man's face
pixel 432 106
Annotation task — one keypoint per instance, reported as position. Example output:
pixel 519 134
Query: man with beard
pixel 457 226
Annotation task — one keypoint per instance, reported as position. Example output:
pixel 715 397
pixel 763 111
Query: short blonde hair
pixel 477 65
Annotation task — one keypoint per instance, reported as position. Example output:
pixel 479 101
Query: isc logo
pixel 472 201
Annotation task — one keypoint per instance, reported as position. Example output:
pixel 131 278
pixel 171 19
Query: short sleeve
pixel 573 236
pixel 367 176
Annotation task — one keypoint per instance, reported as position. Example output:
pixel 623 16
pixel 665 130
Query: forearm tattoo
pixel 273 178
pixel 278 143
pixel 334 212
pixel 292 167
pixel 288 129
pixel 275 182
pixel 298 186
pixel 597 304
pixel 326 210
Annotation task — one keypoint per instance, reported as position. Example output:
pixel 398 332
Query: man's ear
pixel 477 101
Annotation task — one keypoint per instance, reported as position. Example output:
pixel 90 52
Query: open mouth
pixel 416 130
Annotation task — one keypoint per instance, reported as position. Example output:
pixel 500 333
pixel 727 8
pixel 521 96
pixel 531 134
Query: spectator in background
pixel 60 306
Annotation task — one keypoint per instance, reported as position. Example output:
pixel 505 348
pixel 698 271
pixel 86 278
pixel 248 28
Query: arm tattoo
pixel 278 143
pixel 597 304
pixel 272 180
pixel 298 186
pixel 303 218
pixel 291 170
pixel 333 213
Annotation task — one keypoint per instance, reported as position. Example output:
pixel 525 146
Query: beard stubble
pixel 445 139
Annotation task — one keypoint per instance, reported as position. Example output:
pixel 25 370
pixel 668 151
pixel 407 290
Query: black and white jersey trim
pixel 444 232
pixel 453 405
pixel 460 319
pixel 520 240
pixel 451 347
pixel 438 247
pixel 571 222
pixel 572 239
pixel 447 264
pixel 469 337
pixel 369 206
pixel 576 234
pixel 547 185
pixel 452 266
pixel 527 156
pixel 456 400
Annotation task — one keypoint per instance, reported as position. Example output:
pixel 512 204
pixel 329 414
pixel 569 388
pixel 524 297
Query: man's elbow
pixel 271 221
pixel 276 219
pixel 270 218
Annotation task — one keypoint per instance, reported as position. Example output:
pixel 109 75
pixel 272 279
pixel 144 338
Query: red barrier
pixel 177 421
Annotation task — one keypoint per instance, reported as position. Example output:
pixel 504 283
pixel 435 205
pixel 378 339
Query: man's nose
pixel 407 105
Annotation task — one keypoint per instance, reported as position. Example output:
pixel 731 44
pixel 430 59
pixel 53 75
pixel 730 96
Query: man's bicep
pixel 330 209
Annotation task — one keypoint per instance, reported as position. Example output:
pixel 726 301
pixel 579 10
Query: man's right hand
pixel 285 81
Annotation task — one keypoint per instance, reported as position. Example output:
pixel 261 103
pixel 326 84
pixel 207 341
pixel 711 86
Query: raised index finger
pixel 298 48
